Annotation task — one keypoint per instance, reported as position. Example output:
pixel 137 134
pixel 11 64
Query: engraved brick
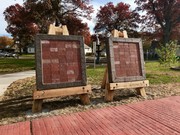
pixel 115 47
pixel 45 42
pixel 69 72
pixel 117 62
pixel 46 61
pixel 74 45
pixel 53 49
pixel 68 45
pixel 54 61
pixel 55 80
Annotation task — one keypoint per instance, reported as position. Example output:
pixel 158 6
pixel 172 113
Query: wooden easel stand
pixel 138 85
pixel 38 96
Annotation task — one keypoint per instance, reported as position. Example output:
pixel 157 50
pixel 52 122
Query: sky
pixel 96 4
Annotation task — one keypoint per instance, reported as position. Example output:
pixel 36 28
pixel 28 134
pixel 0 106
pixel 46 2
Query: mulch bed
pixel 17 101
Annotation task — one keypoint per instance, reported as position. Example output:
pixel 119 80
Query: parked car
pixel 8 54
pixel 2 54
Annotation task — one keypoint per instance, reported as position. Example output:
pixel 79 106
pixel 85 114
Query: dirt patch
pixel 17 101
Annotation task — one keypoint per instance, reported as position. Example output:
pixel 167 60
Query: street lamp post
pixel 98 49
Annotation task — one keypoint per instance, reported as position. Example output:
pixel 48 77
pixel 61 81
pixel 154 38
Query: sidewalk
pixel 7 79
pixel 153 117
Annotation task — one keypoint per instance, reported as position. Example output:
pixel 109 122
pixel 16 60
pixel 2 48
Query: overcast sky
pixel 96 4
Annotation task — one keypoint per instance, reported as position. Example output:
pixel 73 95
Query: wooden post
pixel 141 91
pixel 85 99
pixel 105 78
pixel 37 105
pixel 125 34
pixel 109 94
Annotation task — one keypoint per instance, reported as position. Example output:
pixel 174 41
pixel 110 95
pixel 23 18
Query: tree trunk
pixel 167 32
pixel 166 37
pixel 20 49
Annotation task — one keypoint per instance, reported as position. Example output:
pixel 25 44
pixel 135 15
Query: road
pixel 7 79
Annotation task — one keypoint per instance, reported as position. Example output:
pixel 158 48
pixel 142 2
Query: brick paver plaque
pixel 125 59
pixel 60 61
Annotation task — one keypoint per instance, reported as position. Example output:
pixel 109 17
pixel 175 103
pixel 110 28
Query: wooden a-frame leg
pixel 141 91
pixel 105 79
pixel 84 99
pixel 37 105
pixel 109 94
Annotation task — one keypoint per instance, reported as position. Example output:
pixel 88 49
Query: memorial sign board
pixel 125 60
pixel 60 62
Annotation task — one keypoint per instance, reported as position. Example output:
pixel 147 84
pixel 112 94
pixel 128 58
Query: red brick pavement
pixel 156 117
pixel 21 128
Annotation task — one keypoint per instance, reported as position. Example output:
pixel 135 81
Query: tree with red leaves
pixel 20 25
pixel 162 16
pixel 118 17
pixel 57 10
pixel 36 15
pixel 77 27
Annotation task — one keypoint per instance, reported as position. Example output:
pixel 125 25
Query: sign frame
pixel 39 73
pixel 111 62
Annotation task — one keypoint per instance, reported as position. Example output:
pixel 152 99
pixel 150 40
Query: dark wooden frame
pixel 39 74
pixel 110 59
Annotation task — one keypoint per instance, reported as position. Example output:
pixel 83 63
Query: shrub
pixel 167 53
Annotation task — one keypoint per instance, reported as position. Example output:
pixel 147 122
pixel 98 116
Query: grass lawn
pixel 95 75
pixel 9 65
pixel 155 72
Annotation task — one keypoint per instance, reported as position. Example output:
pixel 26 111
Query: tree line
pixel 160 18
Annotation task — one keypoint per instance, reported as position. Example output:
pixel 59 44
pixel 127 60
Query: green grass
pixel 158 74
pixel 9 65
pixel 155 73
pixel 28 55
pixel 95 75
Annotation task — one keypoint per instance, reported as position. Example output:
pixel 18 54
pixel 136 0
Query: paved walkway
pixel 158 117
pixel 7 79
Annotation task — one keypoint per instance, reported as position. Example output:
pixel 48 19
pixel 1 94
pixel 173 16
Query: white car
pixel 7 54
